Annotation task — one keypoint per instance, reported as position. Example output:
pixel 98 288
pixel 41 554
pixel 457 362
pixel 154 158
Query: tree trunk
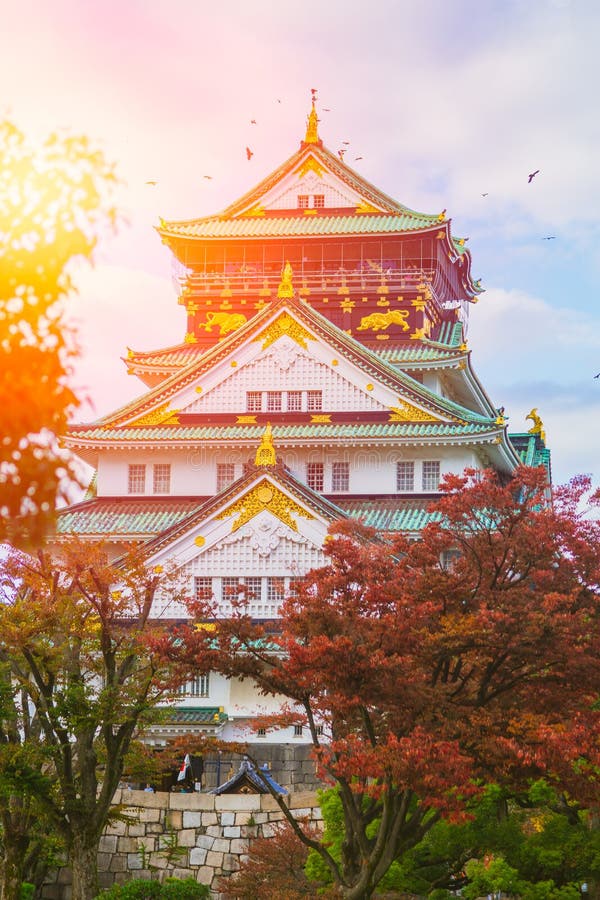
pixel 83 858
pixel 12 873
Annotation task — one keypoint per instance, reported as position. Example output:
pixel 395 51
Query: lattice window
pixel 405 476
pixel 136 479
pixel 203 588
pixel 253 591
pixel 225 475
pixel 274 401
pixel 340 476
pixel 431 475
pixel 275 595
pixel 199 686
pixel 254 401
pixel 298 729
pixel 161 478
pixel 303 201
pixel 314 400
pixel 294 401
pixel 318 201
pixel 314 475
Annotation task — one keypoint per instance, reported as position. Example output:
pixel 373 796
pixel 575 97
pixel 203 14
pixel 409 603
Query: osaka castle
pixel 324 374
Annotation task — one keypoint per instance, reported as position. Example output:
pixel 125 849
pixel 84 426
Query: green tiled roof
pixel 192 715
pixel 110 516
pixel 390 514
pixel 416 353
pixel 530 449
pixel 282 432
pixel 292 226
pixel 180 355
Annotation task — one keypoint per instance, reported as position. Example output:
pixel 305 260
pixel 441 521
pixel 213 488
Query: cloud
pixel 528 354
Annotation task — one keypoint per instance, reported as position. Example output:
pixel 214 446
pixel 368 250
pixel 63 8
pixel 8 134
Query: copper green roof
pixel 192 715
pixel 531 450
pixel 282 432
pixel 390 513
pixel 296 226
pixel 109 516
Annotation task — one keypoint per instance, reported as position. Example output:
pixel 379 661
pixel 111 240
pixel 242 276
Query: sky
pixel 450 104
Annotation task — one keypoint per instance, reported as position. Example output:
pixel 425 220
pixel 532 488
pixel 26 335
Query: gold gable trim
pixel 284 324
pixel 255 212
pixel 364 208
pixel 265 496
pixel 309 165
pixel 406 412
pixel 161 416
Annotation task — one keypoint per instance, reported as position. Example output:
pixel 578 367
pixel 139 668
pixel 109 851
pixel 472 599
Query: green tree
pixel 53 208
pixel 80 643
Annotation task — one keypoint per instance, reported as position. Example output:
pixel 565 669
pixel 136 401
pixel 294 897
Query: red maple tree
pixel 423 669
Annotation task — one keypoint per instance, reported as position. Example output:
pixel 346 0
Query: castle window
pixel 298 730
pixel 431 475
pixel 320 729
pixel 273 401
pixel 294 401
pixel 275 593
pixel 319 201
pixel 225 475
pixel 340 476
pixel 261 732
pixel 405 476
pixel 161 480
pixel 136 479
pixel 202 588
pixel 314 400
pixel 253 401
pixel 303 201
pixel 197 687
pixel 314 475
pixel 253 589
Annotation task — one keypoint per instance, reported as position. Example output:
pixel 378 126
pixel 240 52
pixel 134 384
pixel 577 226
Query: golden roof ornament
pixel 265 455
pixel 538 425
pixel 312 126
pixel 286 288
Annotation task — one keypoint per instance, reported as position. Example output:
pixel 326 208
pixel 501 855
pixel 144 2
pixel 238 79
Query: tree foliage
pixel 435 666
pixel 53 209
pixel 76 635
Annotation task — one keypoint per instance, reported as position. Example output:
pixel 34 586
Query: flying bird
pixel 253 121
pixel 551 237
pixel 278 100
pixel 532 175
pixel 358 157
pixel 484 195
pixel 597 376
pixel 347 143
pixel 208 177
pixel 153 183
pixel 325 109
pixel 249 153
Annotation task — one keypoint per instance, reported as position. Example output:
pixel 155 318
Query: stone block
pixel 214 860
pixel 117 864
pixel 108 844
pixel 205 875
pixel 175 819
pixel 105 880
pixel 267 803
pixel 209 818
pixel 221 846
pixel 146 799
pixel 232 831
pixel 239 845
pixel 191 819
pixel 302 813
pixel 150 815
pixel 238 802
pixel 186 837
pixel 158 861
pixel 116 828
pixel 231 862
pixel 103 861
pixel 249 831
pixel 131 844
pixel 300 799
pixel 205 841
pixel 194 801
pixel 154 828
pixel 134 862
pixel 227 818
pixel 198 856
pixel 214 830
